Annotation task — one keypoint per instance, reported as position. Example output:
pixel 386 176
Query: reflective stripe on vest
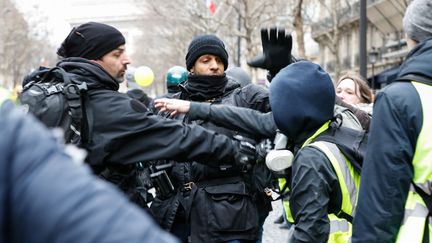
pixel 338 224
pixel 282 181
pixel 423 153
pixel 416 212
pixel 349 179
pixel 340 230
pixel 285 200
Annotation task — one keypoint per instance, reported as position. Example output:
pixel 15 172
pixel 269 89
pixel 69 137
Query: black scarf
pixel 205 87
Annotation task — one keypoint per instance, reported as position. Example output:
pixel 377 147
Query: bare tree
pixel 169 25
pixel 298 24
pixel 247 20
pixel 337 13
pixel 19 48
pixel 13 32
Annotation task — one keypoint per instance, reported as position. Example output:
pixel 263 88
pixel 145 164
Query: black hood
pixel 302 98
pixel 418 61
pixel 90 72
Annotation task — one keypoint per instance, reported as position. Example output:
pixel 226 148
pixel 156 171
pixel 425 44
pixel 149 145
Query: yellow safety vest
pixel 285 201
pixel 416 211
pixel 349 181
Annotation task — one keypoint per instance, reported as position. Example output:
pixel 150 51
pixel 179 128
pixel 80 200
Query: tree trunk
pixel 298 24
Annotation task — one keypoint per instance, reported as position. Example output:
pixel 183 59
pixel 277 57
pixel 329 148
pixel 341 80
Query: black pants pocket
pixel 231 208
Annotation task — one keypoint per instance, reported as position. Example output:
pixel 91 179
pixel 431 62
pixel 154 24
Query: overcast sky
pixel 59 12
pixel 55 12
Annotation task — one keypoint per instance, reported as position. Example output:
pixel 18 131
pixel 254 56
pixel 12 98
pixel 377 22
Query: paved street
pixel 272 232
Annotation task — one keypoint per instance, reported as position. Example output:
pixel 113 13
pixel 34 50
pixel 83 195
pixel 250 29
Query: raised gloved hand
pixel 246 155
pixel 276 54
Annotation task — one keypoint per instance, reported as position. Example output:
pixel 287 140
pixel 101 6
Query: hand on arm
pixel 172 106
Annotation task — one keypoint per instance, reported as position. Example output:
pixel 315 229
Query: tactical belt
pixel 213 182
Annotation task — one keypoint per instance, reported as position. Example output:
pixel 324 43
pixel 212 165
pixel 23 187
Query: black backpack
pixel 57 100
pixel 352 143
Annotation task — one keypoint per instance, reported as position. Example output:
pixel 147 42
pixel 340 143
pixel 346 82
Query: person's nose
pixel 126 60
pixel 340 95
pixel 214 65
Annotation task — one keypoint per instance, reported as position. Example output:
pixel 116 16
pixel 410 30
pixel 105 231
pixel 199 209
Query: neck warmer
pixel 205 87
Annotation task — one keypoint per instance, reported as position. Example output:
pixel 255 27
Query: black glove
pixel 246 155
pixel 276 54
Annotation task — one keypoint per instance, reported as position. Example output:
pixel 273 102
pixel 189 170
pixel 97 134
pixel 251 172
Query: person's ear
pixel 410 42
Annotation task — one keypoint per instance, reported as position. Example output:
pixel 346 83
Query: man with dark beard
pixel 214 204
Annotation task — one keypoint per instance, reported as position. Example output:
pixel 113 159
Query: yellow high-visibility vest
pixel 416 212
pixel 349 181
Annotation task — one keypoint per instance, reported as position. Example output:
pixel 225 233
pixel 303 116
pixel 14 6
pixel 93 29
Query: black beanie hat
pixel 206 44
pixel 302 98
pixel 91 41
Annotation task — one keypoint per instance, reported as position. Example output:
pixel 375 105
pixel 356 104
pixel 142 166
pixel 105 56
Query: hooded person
pixel 123 133
pixel 203 203
pixel 321 199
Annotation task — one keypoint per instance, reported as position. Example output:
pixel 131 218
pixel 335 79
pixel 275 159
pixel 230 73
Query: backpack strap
pixel 88 116
pixel 77 100
pixel 426 198
pixel 283 192
pixel 352 143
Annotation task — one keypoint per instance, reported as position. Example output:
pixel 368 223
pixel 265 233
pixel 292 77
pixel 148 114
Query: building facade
pixel 386 46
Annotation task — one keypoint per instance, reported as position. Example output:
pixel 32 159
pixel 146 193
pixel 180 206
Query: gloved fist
pixel 276 54
pixel 246 153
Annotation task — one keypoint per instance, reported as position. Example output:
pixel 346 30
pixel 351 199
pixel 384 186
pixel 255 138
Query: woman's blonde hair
pixel 365 92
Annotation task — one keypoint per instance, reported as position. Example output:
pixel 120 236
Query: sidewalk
pixel 272 232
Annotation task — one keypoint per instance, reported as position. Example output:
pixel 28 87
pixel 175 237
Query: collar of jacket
pixel 90 72
pixel 320 130
pixel 418 60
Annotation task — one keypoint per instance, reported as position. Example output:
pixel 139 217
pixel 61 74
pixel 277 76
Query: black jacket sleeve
pixel 314 183
pixel 387 168
pixel 47 197
pixel 124 132
pixel 236 118
pixel 254 97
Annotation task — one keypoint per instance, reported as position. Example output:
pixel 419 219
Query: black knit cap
pixel 206 44
pixel 91 41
